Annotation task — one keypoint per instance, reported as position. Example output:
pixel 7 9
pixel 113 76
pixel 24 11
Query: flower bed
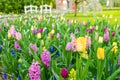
pixel 57 49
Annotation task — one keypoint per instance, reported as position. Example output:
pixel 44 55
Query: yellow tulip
pixel 81 44
pixel 9 35
pixel 100 53
pixel 39 35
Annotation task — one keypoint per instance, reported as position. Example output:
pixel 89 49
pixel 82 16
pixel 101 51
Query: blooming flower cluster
pixel 12 32
pixel 45 56
pixel 34 71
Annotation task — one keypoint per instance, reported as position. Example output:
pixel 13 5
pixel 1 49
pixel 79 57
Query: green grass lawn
pixel 112 16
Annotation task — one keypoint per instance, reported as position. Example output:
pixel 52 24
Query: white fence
pixel 34 9
pixel 45 9
pixel 30 9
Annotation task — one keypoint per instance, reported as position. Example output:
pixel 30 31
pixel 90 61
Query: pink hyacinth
pixel 64 73
pixel 106 29
pixel 68 46
pixel 73 45
pixel 34 47
pixel 6 24
pixel 58 35
pixel 53 26
pixel 0 29
pixel 72 37
pixel 17 46
pixel 88 43
pixel 106 36
pixel 12 31
pixel 45 56
pixel 18 36
pixel 34 71
pixel 93 28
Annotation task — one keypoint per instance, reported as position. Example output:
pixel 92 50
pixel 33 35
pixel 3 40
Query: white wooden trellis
pixel 30 9
pixel 45 9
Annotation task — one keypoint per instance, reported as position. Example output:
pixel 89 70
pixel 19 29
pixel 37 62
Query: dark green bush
pixel 17 6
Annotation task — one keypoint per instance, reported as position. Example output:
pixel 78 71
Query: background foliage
pixel 17 6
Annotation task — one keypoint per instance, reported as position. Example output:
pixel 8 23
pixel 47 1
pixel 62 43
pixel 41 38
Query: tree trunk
pixel 75 9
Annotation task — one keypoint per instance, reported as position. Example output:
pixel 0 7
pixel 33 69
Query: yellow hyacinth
pixel 72 74
pixel 100 40
pixel 43 48
pixel 84 55
pixel 81 44
pixel 53 31
pixel 39 35
pixel 9 35
pixel 100 53
pixel 42 42
pixel 115 47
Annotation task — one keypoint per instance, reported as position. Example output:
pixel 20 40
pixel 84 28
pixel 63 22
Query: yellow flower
pixel 39 35
pixel 96 36
pixel 100 40
pixel 42 42
pixel 100 53
pixel 115 47
pixel 111 16
pixel 20 60
pixel 72 74
pixel 84 55
pixel 81 44
pixel 51 4
pixel 53 31
pixel 96 28
pixel 44 48
pixel 9 35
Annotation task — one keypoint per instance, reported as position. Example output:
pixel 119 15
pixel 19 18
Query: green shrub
pixel 17 6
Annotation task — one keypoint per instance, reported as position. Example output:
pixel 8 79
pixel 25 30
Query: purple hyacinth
pixel 45 56
pixel 17 46
pixel 106 37
pixel 76 30
pixel 34 71
pixel 88 30
pixel 34 31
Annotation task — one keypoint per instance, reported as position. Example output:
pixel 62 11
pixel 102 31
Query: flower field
pixel 35 48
